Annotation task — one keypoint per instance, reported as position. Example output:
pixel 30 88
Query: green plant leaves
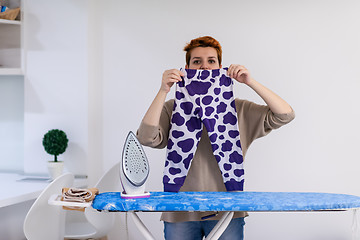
pixel 55 142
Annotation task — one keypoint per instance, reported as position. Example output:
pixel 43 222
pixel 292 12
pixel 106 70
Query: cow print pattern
pixel 204 97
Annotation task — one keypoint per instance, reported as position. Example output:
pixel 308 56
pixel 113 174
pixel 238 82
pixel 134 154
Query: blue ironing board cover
pixel 227 201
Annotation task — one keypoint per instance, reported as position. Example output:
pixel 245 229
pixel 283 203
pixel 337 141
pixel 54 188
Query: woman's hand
pixel 152 116
pixel 239 73
pixel 169 78
pixel 242 75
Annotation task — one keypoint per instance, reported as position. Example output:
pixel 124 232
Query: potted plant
pixel 55 143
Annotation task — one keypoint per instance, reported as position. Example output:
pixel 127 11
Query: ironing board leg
pixel 355 225
pixel 220 227
pixel 140 225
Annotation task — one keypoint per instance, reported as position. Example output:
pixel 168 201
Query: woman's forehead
pixel 204 52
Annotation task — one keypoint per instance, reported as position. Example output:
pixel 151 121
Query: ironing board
pixel 227 202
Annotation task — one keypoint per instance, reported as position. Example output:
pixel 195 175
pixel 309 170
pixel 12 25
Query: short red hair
pixel 205 41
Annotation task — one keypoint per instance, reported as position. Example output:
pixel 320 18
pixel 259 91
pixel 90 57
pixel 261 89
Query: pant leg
pixel 183 231
pixel 234 231
pixel 220 120
pixel 184 136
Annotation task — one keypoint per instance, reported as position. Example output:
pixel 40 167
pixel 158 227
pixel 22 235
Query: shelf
pixel 15 22
pixel 11 71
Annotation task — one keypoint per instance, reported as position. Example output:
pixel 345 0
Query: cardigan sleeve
pixel 256 121
pixel 157 136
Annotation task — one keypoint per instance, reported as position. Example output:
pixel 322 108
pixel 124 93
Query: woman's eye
pixel 196 62
pixel 211 61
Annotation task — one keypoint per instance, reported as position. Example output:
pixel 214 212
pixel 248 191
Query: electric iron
pixel 134 169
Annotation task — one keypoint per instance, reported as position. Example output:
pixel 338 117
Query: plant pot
pixel 55 169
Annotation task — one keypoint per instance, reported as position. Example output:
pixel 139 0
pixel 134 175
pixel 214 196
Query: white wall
pixel 56 83
pixel 306 51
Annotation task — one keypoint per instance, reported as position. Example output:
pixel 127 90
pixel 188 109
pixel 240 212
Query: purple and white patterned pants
pixel 204 97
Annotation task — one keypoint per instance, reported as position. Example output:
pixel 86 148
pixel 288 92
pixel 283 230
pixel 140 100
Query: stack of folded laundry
pixel 79 196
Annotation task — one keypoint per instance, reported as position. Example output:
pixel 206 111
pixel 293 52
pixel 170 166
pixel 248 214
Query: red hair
pixel 205 41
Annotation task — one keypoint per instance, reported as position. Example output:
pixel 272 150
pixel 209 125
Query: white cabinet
pixel 11 47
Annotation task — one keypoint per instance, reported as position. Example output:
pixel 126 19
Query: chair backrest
pixel 110 181
pixel 44 221
pixel 103 222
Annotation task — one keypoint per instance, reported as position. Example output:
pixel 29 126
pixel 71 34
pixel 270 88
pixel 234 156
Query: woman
pixel 254 121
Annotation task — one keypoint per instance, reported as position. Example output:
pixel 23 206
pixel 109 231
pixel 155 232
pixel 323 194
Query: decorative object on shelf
pixel 55 143
pixel 3 8
pixel 10 14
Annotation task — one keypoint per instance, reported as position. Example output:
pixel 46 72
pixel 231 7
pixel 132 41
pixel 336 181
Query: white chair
pixel 43 221
pixel 94 224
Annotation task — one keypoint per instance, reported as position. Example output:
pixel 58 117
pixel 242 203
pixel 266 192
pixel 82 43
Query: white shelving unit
pixel 10 71
pixel 15 22
pixel 11 47
pixel 12 78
